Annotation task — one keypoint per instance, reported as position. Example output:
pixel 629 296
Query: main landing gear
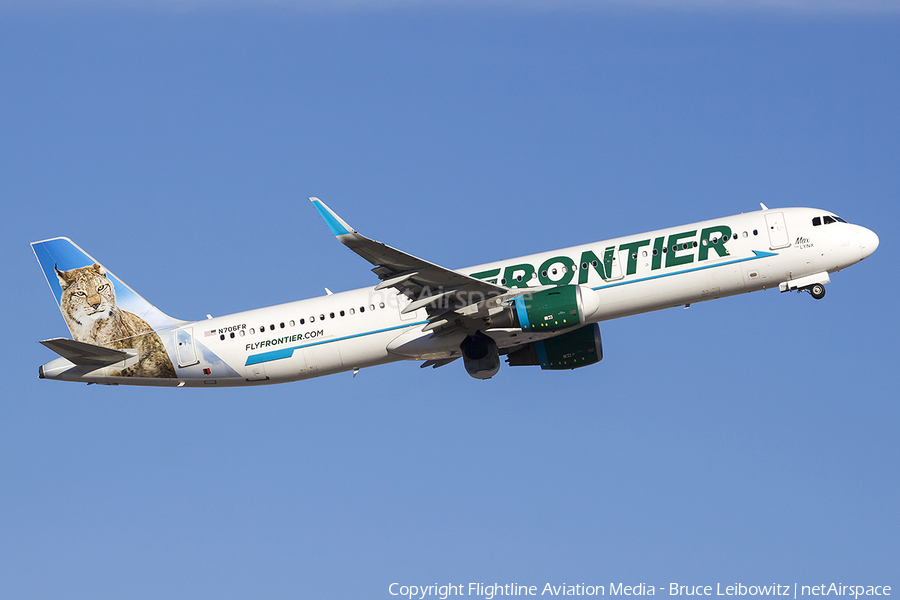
pixel 817 291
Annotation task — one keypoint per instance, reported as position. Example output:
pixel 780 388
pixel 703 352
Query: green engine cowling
pixel 558 308
pixel 578 348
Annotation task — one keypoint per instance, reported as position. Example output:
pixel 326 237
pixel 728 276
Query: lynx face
pixel 87 295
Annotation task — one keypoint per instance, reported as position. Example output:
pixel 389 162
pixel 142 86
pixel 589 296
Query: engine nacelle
pixel 571 350
pixel 480 355
pixel 558 308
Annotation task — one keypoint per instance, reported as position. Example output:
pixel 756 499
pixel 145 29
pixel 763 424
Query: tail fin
pixel 85 291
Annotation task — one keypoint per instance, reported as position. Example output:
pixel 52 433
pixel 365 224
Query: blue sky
pixel 750 439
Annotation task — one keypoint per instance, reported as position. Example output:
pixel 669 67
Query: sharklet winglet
pixel 336 224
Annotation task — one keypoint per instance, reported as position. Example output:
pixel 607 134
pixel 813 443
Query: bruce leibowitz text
pixel 489 591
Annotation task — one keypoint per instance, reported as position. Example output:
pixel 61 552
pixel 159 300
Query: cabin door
pixel 184 347
pixel 778 234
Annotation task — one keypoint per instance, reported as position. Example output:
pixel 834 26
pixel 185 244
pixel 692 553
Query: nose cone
pixel 868 241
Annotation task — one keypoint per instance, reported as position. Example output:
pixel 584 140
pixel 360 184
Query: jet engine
pixel 549 310
pixel 480 355
pixel 578 348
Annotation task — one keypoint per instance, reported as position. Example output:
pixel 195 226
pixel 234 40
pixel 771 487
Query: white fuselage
pixel 650 271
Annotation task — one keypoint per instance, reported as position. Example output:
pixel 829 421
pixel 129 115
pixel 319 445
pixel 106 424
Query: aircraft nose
pixel 868 241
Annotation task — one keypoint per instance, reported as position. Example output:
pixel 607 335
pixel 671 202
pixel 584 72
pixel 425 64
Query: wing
pixel 451 299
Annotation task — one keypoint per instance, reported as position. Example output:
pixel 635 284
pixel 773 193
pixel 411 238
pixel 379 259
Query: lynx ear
pixel 63 282
pixel 99 268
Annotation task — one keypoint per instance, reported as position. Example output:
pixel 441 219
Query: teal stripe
pixel 255 359
pixel 757 254
pixel 522 313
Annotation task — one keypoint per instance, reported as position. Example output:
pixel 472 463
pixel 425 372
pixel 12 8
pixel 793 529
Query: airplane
pixel 538 310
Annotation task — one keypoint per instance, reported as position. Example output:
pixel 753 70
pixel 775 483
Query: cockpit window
pixel 827 220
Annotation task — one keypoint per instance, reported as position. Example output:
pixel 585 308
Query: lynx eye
pixel 80 293
pixel 102 287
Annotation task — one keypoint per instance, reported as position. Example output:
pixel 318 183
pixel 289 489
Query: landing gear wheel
pixel 817 291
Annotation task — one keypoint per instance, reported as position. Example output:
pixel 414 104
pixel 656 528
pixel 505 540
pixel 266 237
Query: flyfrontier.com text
pixel 490 591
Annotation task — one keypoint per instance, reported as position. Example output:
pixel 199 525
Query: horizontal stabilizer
pixel 81 353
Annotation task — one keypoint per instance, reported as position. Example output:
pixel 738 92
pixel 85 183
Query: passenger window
pixel 755 232
pixel 381 305
pixel 331 315
pixel 362 309
pixel 232 335
pixel 282 325
pixel 292 323
pixel 222 337
pixel 342 313
pixel 272 327
pixel 302 321
pixel 321 317
pixel 745 234
pixel 352 311
pixel 371 307
pixel 312 319
pixel 252 331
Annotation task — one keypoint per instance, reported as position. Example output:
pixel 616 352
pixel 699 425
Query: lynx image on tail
pixel 88 304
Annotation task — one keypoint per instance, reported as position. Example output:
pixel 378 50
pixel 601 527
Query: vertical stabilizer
pixel 61 259
pixel 100 309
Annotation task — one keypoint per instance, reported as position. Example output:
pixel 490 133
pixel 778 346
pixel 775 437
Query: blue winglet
pixel 337 225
